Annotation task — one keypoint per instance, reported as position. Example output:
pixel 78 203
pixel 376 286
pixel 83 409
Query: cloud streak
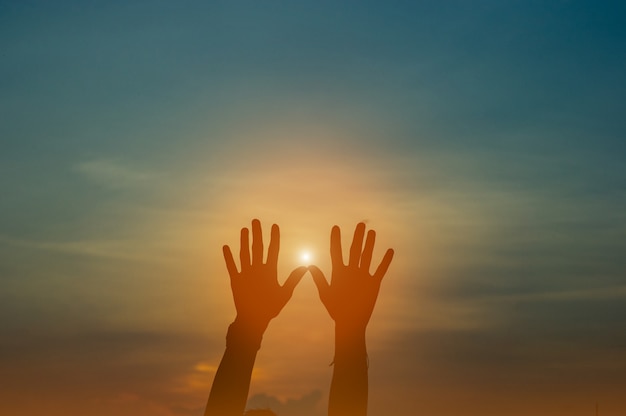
pixel 309 404
pixel 115 175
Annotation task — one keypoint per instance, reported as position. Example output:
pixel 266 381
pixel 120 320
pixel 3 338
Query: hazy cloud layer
pixel 307 405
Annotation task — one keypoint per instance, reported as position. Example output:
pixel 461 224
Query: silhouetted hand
pixel 257 294
pixel 351 295
pixel 258 298
pixel 350 298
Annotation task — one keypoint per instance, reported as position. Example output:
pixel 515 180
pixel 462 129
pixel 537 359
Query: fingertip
pixel 336 255
pixel 388 255
pixel 226 251
pixel 274 233
pixel 359 230
pixel 313 269
pixel 298 271
pixel 294 278
pixel 318 277
pixel 316 273
pixel 230 262
pixel 384 264
pixel 256 226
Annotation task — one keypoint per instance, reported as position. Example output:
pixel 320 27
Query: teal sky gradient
pixel 485 141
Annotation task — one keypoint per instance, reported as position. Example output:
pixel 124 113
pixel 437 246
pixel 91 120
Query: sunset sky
pixel 484 141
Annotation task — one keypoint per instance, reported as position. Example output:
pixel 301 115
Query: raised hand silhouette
pixel 351 295
pixel 350 298
pixel 258 299
pixel 257 294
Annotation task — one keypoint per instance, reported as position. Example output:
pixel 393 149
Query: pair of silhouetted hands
pixel 349 298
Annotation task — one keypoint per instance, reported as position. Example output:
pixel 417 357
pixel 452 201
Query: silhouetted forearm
pixel 348 389
pixel 232 381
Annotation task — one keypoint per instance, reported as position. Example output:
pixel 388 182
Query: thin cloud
pixel 113 174
pixel 601 293
pixel 309 404
pixel 112 249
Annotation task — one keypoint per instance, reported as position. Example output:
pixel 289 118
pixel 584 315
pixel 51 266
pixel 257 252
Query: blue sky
pixel 484 141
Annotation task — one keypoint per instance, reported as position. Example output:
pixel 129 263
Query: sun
pixel 305 256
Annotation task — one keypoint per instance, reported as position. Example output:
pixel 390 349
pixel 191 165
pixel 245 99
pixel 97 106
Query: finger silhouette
pixel 292 281
pixel 274 247
pixel 357 244
pixel 257 242
pixel 384 265
pixel 366 257
pixel 320 281
pixel 230 262
pixel 244 250
pixel 335 247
